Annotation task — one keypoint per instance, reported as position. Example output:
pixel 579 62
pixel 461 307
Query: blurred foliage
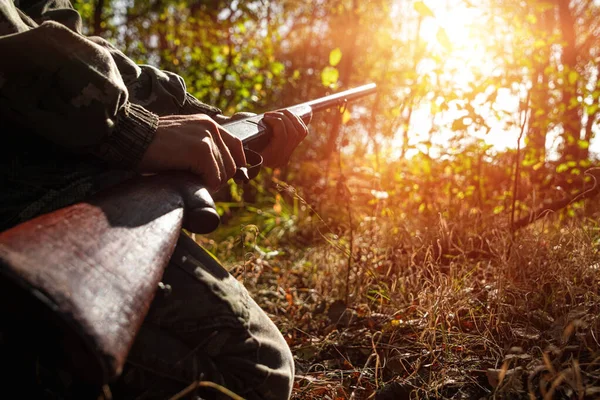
pixel 451 76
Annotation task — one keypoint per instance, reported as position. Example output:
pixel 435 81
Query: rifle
pixel 85 275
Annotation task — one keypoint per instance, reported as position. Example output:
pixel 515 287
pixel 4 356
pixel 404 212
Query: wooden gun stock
pixel 87 273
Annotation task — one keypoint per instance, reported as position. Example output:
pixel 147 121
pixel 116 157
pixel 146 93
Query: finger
pixel 299 125
pixel 175 118
pixel 208 166
pixel 169 123
pixel 235 146
pixel 293 137
pixel 228 163
pixel 279 137
pixel 223 154
pixel 241 115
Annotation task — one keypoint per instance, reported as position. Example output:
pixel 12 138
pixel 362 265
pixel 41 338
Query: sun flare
pixel 457 35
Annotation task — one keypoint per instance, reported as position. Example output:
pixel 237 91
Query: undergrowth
pixel 384 301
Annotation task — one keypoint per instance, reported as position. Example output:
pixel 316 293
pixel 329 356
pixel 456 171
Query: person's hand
pixel 194 143
pixel 287 130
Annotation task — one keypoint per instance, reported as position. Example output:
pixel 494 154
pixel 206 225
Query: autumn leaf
pixel 423 10
pixel 346 117
pixel 583 144
pixel 443 39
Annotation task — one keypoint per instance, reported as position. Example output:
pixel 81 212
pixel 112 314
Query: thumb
pixel 241 115
pixel 223 119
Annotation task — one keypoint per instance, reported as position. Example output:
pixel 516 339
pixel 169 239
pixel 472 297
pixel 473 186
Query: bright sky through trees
pixel 464 55
pixel 459 34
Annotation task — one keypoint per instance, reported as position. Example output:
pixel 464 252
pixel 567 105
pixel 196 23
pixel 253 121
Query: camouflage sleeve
pixel 64 87
pixel 161 92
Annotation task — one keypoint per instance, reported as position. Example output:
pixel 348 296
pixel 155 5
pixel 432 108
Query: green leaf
pixel 562 168
pixel 590 110
pixel 335 56
pixel 329 76
pixel 277 68
pixel 532 19
pixel 443 38
pixel 573 76
pixel 423 10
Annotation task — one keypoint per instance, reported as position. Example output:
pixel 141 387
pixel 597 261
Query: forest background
pixel 437 240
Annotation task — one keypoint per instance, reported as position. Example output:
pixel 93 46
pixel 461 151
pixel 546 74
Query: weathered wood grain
pixel 94 267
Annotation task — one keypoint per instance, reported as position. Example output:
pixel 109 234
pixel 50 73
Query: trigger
pixel 241 174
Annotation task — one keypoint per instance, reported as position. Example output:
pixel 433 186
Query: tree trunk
pixel 98 11
pixel 539 120
pixel 346 67
pixel 571 118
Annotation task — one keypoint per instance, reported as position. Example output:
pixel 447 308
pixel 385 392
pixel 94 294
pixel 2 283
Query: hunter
pixel 78 116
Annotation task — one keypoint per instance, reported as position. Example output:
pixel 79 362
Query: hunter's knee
pixel 268 360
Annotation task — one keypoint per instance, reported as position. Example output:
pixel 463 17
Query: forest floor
pixel 400 305
pixel 392 315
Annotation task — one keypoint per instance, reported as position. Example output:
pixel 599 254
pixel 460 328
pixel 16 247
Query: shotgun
pixel 254 135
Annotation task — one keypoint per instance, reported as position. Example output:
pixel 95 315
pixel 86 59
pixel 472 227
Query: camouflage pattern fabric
pixel 72 108
pixel 205 327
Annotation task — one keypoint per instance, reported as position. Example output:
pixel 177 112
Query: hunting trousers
pixel 203 326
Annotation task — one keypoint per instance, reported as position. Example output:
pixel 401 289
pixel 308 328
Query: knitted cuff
pixel 194 106
pixel 134 130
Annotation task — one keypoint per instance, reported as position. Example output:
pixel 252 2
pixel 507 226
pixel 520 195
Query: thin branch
pixel 562 203
pixel 526 110
pixel 195 385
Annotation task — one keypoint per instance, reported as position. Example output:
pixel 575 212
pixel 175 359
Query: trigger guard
pixel 254 163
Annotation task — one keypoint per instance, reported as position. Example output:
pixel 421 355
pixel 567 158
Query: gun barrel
pixel 253 133
pixel 340 98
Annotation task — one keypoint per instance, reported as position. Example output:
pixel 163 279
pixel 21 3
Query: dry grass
pixel 380 297
pixel 402 312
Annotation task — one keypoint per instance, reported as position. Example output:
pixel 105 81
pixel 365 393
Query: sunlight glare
pixel 462 61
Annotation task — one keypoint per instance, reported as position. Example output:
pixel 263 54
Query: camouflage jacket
pixel 76 114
